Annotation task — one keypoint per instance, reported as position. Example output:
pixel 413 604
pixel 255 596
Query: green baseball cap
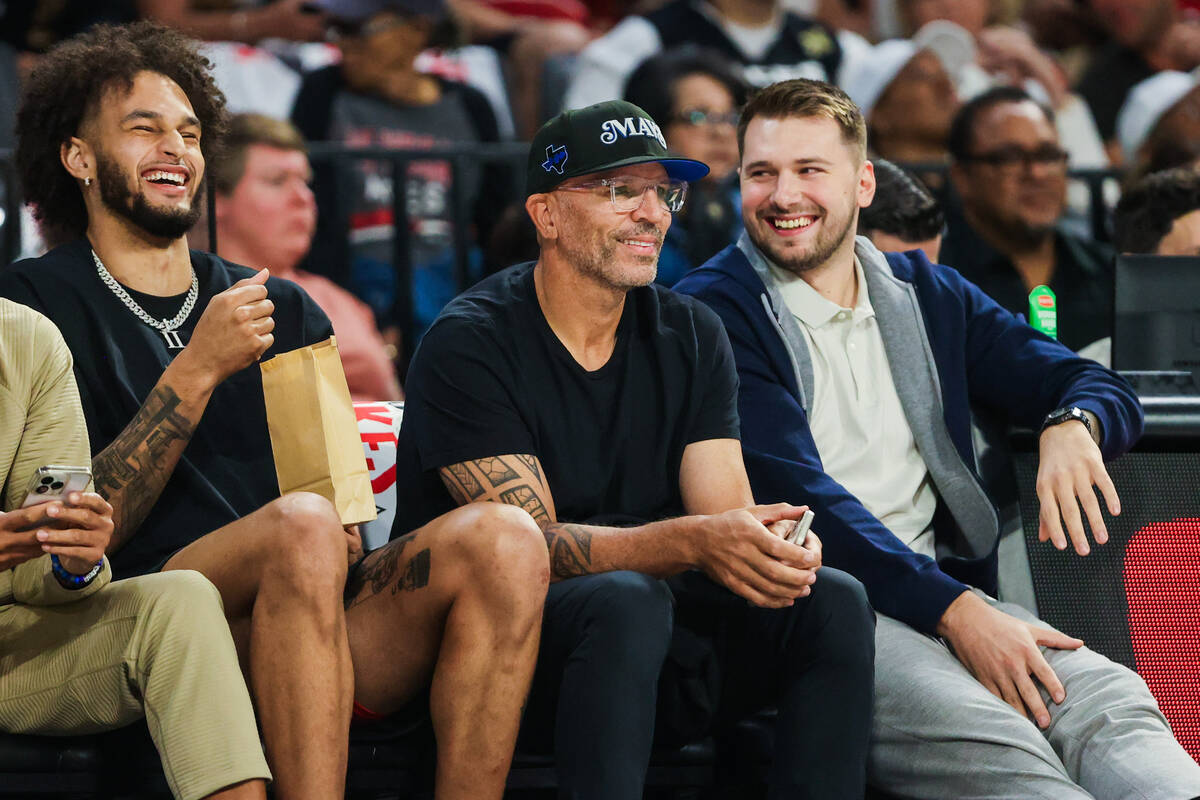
pixel 597 138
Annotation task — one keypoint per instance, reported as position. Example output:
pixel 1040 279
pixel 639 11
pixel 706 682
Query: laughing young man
pixel 858 372
pixel 113 136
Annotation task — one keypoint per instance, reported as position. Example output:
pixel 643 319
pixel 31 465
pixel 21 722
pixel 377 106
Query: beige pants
pixel 157 645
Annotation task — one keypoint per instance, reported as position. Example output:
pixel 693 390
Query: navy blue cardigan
pixel 984 356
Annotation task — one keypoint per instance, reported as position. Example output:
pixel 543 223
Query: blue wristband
pixel 70 580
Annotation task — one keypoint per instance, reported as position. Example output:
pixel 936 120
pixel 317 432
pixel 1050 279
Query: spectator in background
pixel 979 52
pixel 257 48
pixel 1147 36
pixel 1160 214
pixel 986 52
pixel 33 27
pixel 377 97
pixel 266 216
pixel 770 44
pixel 903 214
pixel 1158 126
pixel 972 15
pixel 527 34
pixel 695 94
pixel 1011 174
pixel 229 21
pixel 908 98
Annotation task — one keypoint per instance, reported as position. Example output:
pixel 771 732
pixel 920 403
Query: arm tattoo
pixel 516 479
pixel 531 464
pixel 570 549
pixel 463 485
pixel 381 569
pixel 131 472
pixel 496 470
pixel 527 498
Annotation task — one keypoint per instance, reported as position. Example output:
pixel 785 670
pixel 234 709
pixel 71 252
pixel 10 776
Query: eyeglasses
pixel 627 193
pixel 1009 158
pixel 698 117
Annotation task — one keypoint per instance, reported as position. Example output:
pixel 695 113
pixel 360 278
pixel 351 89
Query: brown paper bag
pixel 314 434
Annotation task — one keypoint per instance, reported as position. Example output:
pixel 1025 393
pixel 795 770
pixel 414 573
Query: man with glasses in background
pixel 1010 172
pixel 606 407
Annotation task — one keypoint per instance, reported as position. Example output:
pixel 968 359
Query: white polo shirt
pixel 855 415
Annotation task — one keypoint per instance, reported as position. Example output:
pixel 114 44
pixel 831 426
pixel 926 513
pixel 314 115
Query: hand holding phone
pixel 77 526
pixel 800 529
pixel 55 482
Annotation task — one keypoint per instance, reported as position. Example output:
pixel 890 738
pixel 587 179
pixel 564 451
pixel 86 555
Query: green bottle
pixel 1043 311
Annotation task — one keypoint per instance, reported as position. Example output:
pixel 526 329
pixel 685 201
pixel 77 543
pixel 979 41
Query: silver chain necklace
pixel 167 327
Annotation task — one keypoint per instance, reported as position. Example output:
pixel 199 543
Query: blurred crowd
pixel 986 112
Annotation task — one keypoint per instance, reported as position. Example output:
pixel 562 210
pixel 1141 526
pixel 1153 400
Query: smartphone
pixel 55 482
pixel 800 531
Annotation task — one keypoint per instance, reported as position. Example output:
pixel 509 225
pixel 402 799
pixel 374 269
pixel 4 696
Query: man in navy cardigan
pixel 858 372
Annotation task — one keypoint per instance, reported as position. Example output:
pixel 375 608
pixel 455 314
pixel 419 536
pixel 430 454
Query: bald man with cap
pixel 606 407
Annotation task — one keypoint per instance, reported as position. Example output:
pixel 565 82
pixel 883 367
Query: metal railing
pixel 342 159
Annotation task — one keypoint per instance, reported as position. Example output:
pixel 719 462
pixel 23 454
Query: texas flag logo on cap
pixel 556 159
pixel 601 137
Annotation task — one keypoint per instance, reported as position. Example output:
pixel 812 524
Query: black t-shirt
pixel 491 378
pixel 1082 281
pixel 227 469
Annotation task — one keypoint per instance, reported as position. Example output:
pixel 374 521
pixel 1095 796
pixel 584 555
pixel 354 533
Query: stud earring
pixel 87 182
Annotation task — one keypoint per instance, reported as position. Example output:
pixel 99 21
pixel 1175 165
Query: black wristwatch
pixel 1060 415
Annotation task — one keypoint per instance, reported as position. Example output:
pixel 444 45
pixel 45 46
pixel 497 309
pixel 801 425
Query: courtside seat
pixel 48 766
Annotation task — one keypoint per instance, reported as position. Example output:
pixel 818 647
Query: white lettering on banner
pixel 379 428
pixel 631 126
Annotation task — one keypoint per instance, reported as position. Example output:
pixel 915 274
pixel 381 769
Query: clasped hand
pixel 76 530
pixel 741 551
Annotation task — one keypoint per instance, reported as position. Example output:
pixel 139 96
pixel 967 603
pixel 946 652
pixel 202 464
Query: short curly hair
pixel 1148 209
pixel 65 89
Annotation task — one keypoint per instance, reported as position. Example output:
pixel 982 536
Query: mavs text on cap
pixel 556 159
pixel 631 126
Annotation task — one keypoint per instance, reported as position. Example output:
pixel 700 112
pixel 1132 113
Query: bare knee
pixel 307 546
pixel 501 550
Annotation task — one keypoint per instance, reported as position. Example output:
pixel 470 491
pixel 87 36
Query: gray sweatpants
pixel 938 733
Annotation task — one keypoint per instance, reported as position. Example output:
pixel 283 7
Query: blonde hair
pixel 246 130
